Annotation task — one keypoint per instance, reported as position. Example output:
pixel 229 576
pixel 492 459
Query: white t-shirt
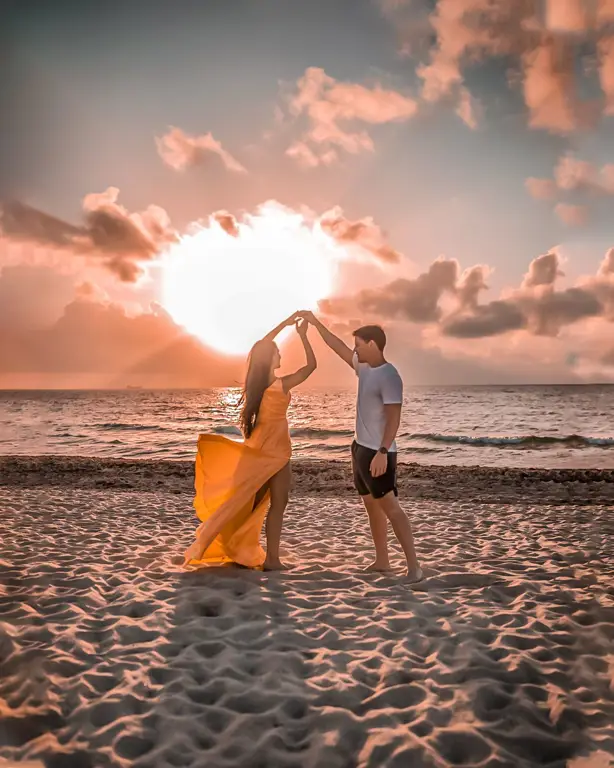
pixel 377 387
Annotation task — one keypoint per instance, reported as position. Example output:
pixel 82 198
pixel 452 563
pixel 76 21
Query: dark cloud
pixel 549 312
pixel 23 222
pixel 416 300
pixel 536 306
pixel 490 319
pixel 119 239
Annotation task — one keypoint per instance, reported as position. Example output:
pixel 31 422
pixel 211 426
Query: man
pixel 374 450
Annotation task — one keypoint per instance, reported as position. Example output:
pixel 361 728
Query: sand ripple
pixel 111 656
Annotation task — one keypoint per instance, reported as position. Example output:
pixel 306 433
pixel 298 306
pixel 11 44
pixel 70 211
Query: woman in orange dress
pixel 236 482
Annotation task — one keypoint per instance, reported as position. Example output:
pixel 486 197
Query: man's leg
pixel 280 492
pixel 377 519
pixel 379 532
pixel 389 504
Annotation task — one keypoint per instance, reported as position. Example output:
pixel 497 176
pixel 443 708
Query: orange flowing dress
pixel 228 476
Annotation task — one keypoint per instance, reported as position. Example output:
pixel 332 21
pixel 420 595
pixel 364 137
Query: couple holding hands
pixel 239 484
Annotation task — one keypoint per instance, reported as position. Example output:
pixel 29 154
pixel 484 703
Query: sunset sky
pixel 444 167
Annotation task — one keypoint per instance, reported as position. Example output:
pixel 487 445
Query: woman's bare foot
pixel 193 552
pixel 415 575
pixel 378 568
pixel 273 565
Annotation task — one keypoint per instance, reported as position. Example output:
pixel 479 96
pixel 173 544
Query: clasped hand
pixel 300 320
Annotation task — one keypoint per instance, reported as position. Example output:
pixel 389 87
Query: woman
pixel 236 481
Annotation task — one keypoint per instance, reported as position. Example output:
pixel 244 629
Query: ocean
pixel 519 426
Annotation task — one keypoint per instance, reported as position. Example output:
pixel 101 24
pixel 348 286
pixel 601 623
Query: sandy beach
pixel 111 655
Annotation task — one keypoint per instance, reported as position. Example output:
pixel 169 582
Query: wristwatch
pixel 383 450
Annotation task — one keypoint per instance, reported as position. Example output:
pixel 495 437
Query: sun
pixel 230 283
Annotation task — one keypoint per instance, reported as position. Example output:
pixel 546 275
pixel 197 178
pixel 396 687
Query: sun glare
pixel 231 290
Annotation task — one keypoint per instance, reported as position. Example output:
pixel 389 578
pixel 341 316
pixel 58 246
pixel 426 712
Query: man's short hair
pixel 372 333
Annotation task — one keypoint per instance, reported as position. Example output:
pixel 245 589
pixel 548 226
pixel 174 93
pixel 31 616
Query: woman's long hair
pixel 257 381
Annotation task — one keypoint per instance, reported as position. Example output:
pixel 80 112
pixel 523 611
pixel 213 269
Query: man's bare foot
pixel 415 575
pixel 274 565
pixel 378 568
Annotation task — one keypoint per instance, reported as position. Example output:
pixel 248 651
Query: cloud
pixel 332 109
pixel 32 296
pixel 468 109
pixel 21 221
pixel 541 189
pixel 100 339
pixel 572 174
pixel 544 270
pixel 605 51
pixel 540 38
pixel 416 300
pixel 180 151
pixel 577 177
pixel 363 233
pixel 471 284
pixel 120 240
pixel 572 215
pixel 227 222
pixel 549 86
pixel 606 268
pixel 491 319
pixel 536 307
pixel 605 11
pixel 541 314
pixel 307 158
pixel 567 15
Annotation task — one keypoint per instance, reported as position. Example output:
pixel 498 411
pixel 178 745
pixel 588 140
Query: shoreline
pixel 311 477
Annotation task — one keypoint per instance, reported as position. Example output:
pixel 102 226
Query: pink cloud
pixel 606 72
pixel 305 156
pixel 538 35
pixel 541 189
pixel 549 86
pixel 544 270
pixel 573 174
pixel 468 109
pixel 606 268
pixel 567 15
pixel 181 151
pixel 572 215
pixel 605 11
pixel 332 107
pixel 364 233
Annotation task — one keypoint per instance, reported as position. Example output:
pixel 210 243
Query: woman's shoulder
pixel 277 387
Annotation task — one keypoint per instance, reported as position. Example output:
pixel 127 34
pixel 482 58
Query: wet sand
pixel 311 477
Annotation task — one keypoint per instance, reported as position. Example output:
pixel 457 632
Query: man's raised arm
pixel 334 342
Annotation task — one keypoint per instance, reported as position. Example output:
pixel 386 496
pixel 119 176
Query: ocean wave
pixel 227 430
pixel 322 433
pixel 112 426
pixel 520 441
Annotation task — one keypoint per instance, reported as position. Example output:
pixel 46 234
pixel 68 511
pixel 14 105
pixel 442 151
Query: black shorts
pixel 364 482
